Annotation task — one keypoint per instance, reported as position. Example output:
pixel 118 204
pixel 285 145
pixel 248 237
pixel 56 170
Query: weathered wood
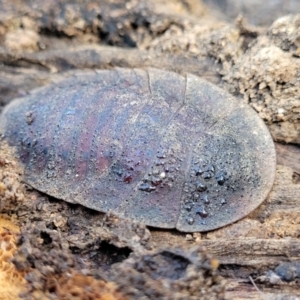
pixel 288 155
pixel 75 36
pixel 259 13
pixel 105 57
pixel 31 70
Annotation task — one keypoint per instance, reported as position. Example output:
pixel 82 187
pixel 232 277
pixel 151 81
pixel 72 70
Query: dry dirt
pixel 63 251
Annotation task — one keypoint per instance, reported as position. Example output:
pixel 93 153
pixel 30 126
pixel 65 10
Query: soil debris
pixel 12 281
pixel 69 252
pixel 52 267
pixel 256 63
pixel 170 274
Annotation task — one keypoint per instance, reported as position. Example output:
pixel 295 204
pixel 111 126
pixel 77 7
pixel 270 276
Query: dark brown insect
pixel 153 146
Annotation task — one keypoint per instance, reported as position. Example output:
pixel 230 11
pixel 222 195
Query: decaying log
pixel 186 37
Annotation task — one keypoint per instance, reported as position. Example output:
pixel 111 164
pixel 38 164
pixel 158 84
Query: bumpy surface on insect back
pixel 153 146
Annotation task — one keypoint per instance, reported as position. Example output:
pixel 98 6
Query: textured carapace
pixel 167 150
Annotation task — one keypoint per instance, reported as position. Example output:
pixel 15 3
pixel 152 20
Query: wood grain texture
pixel 185 37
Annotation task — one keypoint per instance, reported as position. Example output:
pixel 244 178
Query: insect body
pixel 167 150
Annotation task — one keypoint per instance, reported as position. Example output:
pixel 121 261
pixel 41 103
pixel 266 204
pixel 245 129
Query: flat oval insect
pixel 167 150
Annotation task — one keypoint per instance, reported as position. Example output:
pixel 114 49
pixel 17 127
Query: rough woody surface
pixel 42 42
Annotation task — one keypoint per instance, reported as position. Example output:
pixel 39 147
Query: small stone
pixel 189 237
pixel 197 237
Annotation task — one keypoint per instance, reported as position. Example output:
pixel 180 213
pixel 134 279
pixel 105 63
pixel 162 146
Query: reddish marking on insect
pixel 127 178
